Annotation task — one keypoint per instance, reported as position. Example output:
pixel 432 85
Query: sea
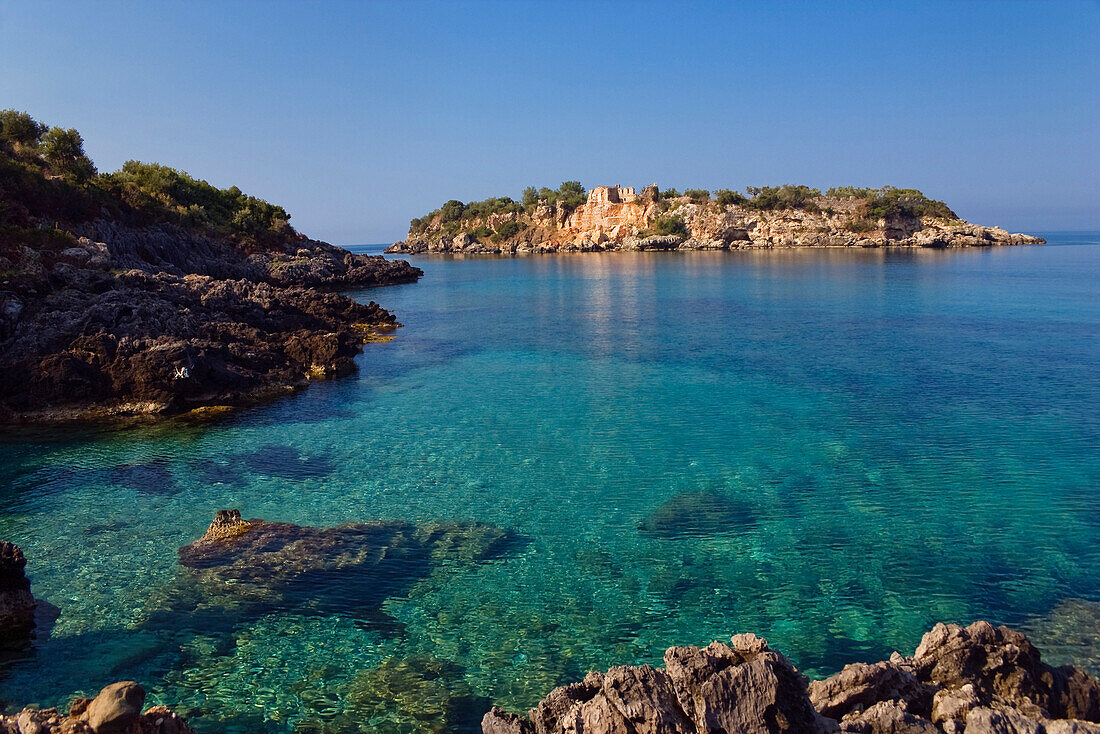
pixel 833 449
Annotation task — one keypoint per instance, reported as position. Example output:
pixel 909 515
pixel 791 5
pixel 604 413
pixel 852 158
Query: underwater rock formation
pixel 961 680
pixel 253 566
pixel 116 710
pixel 698 513
pixel 17 605
pixel 416 694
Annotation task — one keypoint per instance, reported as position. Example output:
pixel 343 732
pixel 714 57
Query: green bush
pixel 667 226
pixel 697 195
pixel 670 193
pixel 726 197
pixel 861 225
pixel 508 230
pixel 481 233
pixel 892 202
pixel 63 150
pixel 766 198
pixel 20 129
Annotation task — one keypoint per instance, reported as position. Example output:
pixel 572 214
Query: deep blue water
pixel 833 449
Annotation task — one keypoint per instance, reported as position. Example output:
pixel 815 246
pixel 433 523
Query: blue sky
pixel 359 116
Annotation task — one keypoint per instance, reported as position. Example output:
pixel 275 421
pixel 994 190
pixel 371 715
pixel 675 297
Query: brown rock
pixel 116 708
pixel 861 685
pixel 499 721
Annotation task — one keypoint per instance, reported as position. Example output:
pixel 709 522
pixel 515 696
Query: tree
pixel 571 195
pixel 452 210
pixel 20 129
pixel 64 151
pixel 697 195
pixel 530 196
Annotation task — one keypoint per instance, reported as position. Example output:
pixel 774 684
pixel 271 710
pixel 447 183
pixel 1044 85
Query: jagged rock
pixel 1004 668
pixel 159 319
pixel 861 685
pixel 17 605
pixel 973 680
pixel 886 717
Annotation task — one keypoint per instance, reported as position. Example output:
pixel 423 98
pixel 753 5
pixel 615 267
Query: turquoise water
pixel 832 449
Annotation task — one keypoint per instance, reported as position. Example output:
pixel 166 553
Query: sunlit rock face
pixel 618 218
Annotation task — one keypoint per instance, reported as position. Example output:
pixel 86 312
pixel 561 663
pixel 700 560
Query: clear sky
pixel 358 116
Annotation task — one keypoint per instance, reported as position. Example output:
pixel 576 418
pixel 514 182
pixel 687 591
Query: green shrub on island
pixel 508 230
pixel 893 202
pixel 668 226
pixel 862 225
pixel 669 193
pixel 726 197
pixel 697 195
pixel 787 196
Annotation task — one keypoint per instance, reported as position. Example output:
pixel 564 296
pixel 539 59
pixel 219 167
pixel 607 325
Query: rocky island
pixel 147 291
pixel 569 219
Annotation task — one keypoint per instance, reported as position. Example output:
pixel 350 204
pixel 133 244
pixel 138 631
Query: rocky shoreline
pixel 961 680
pixel 159 320
pixel 616 219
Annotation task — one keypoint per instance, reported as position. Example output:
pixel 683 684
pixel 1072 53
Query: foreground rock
pixel 973 680
pixel 616 218
pixel 17 605
pixel 116 710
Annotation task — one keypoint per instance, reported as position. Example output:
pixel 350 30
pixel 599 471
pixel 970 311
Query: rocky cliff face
pixel 115 320
pixel 607 223
pixel 973 680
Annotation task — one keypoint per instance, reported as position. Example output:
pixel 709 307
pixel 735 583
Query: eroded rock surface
pixel 158 319
pixel 961 680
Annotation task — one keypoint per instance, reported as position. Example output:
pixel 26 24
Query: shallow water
pixel 832 449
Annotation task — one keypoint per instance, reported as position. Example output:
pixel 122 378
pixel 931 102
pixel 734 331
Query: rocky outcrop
pixel 162 320
pixel 961 680
pixel 17 605
pixel 613 221
pixel 116 710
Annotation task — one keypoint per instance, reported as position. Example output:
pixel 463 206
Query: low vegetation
pixel 667 226
pixel 46 175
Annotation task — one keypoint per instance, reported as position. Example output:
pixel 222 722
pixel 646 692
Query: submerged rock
pixel 703 512
pixel 116 710
pixel 961 680
pixel 255 566
pixel 416 695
